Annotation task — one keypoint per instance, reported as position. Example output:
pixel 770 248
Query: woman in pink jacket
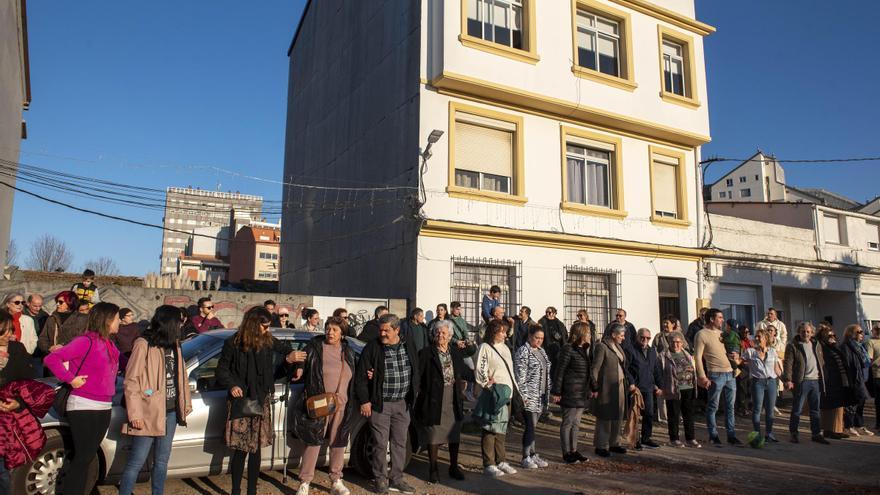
pixel 93 362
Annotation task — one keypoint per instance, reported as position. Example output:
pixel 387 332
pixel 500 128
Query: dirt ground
pixel 845 467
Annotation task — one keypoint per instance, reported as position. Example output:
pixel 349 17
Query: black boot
pixel 454 470
pixel 433 474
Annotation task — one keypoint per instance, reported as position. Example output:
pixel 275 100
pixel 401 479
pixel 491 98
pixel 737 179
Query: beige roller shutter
pixel 479 148
pixel 665 187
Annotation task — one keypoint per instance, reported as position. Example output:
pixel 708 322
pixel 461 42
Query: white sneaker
pixel 540 462
pixel 528 463
pixel 507 468
pixel 853 432
pixel 303 489
pixel 339 488
pixel 865 431
pixel 493 471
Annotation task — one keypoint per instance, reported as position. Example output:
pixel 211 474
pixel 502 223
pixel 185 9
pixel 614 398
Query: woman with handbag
pixel 439 405
pixel 157 397
pixel 96 361
pixel 323 412
pixel 246 369
pixel 495 367
pixel 532 368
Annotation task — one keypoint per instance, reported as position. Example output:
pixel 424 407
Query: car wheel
pixel 44 476
pixel 364 447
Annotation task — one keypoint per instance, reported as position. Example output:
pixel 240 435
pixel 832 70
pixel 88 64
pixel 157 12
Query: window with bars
pixel 593 289
pixel 472 278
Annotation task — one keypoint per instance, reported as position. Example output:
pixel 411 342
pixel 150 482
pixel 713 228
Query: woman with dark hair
pixel 157 398
pixel 93 363
pixel 49 340
pixel 439 405
pixel 532 369
pixel 246 370
pixel 494 373
pixel 836 383
pixel 858 365
pixel 329 367
pixel 129 331
pixel 441 314
pixel 312 319
pixel 22 401
pixel 571 388
pixel 23 325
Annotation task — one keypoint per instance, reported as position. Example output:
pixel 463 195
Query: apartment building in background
pixel 567 168
pixel 254 253
pixel 211 213
pixel 15 97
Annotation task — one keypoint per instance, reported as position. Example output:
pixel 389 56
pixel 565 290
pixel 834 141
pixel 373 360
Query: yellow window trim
pixel 627 82
pixel 449 83
pixel 618 209
pixel 681 199
pixel 517 196
pixel 483 233
pixel 666 15
pixel 691 98
pixel 529 55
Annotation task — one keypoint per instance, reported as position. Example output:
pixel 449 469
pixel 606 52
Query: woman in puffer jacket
pixel 571 388
pixel 21 398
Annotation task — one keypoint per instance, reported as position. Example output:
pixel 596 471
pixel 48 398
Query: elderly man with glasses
pixel 644 367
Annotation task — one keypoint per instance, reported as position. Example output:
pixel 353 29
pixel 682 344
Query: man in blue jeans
pixel 716 375
pixel 803 375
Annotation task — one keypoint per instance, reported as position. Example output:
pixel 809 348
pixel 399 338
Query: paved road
pixel 846 466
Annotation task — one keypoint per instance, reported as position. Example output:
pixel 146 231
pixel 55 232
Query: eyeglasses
pixel 549 312
pixel 621 316
pixel 646 337
pixel 208 307
pixel 283 316
pixel 265 324
pixel 860 332
pixel 677 342
pixel 60 302
pixel 17 303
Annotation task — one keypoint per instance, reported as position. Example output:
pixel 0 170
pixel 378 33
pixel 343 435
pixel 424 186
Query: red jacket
pixel 21 436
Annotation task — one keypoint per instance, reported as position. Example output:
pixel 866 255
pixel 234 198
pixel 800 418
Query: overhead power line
pixel 812 160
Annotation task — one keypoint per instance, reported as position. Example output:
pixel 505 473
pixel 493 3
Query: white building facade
pixel 567 172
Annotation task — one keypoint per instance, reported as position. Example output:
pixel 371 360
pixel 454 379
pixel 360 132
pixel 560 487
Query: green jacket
pixel 491 404
pixel 459 329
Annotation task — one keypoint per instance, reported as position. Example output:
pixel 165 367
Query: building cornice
pixel 667 15
pixel 472 88
pixel 499 235
pixel 767 262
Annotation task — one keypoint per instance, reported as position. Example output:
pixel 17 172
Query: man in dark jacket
pixel 555 335
pixel 803 374
pixel 415 330
pixel 695 327
pixel 386 384
pixel 371 328
pixel 645 370
pixel 521 327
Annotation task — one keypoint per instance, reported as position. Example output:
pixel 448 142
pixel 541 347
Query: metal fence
pixel 594 289
pixel 472 278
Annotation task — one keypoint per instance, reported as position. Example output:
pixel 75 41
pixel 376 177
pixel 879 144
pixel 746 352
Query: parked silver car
pixel 199 448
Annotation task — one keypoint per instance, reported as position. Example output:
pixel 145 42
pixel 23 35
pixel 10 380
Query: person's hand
pixel 632 387
pixel 462 344
pixel 137 424
pixel 78 381
pixel 658 392
pixel 55 348
pixel 370 374
pixel 9 405
pixel 789 385
pixel 704 382
pixel 490 382
pixel 236 392
pixel 594 395
pixel 296 357
pixel 366 410
pixel 210 315
pixel 555 399
pixel 297 374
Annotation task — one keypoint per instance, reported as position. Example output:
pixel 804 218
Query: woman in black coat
pixel 246 369
pixel 439 404
pixel 836 385
pixel 571 388
pixel 329 368
pixel 857 367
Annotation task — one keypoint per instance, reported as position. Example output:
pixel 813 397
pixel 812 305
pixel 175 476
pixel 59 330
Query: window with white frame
pixel 484 153
pixel 873 236
pixel 589 172
pixel 674 68
pixel 722 194
pixel 745 193
pixel 833 231
pixel 729 182
pixel 599 41
pixel 742 179
pixel 664 172
pixel 498 21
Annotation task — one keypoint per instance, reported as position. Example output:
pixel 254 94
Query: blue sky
pixel 146 93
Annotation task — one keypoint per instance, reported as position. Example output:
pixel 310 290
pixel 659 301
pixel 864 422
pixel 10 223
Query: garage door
pixel 739 302
pixel 871 306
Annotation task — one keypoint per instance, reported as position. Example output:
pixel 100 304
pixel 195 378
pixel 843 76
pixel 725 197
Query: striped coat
pixel 532 370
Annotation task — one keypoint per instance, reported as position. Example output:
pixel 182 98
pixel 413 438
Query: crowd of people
pixel 415 371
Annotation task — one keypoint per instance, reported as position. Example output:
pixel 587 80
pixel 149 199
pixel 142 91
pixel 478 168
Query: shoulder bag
pixel 323 405
pixel 517 407
pixel 62 394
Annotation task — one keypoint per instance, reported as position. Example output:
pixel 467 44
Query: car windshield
pixel 199 344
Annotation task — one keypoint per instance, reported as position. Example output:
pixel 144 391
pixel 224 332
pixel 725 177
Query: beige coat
pixel 146 371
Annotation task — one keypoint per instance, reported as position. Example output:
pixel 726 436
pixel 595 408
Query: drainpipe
pixel 698 179
pixel 817 247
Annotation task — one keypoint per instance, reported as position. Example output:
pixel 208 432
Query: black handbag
pixel 62 393
pixel 245 407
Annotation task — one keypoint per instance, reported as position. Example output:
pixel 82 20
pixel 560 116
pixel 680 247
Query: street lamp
pixel 435 136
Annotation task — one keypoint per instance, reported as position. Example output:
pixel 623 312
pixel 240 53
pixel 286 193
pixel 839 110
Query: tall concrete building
pixel 188 209
pixel 567 168
pixel 15 96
